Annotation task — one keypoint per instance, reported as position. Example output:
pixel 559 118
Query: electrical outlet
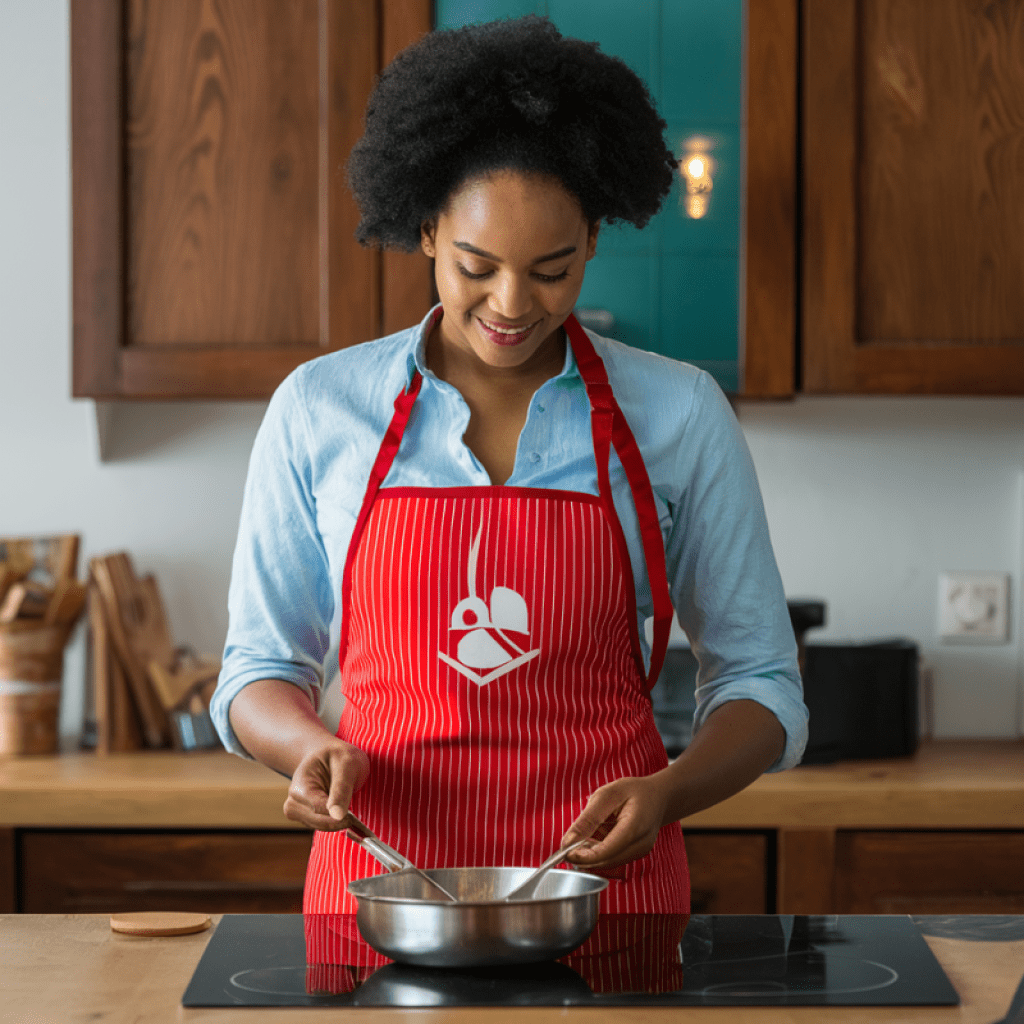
pixel 974 607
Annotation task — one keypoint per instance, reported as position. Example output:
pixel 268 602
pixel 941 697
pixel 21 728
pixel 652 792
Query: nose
pixel 510 298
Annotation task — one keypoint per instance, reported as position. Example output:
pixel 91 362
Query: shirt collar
pixel 417 359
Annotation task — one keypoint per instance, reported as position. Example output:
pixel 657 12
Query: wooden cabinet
pixel 213 245
pixel 912 202
pixel 732 871
pixel 104 871
pixel 213 249
pixel 900 872
pixel 929 873
pixel 729 872
pixel 882 240
pixel 8 872
pixel 90 872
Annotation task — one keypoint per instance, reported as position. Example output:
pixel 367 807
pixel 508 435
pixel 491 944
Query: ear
pixel 427 238
pixel 592 239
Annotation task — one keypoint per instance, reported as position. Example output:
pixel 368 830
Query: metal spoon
pixel 527 888
pixel 390 858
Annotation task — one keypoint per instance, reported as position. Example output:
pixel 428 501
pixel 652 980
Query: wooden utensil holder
pixel 31 669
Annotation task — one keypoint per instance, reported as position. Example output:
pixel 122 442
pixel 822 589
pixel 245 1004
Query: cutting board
pixel 137 626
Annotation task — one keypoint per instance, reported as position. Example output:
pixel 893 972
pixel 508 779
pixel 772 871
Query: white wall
pixel 868 499
pixel 170 492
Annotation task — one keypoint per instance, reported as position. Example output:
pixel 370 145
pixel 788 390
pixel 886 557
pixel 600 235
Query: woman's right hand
pixel 277 725
pixel 323 783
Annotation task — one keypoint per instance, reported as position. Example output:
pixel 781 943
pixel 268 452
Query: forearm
pixel 737 743
pixel 277 724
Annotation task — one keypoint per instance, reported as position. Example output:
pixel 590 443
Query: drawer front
pixel 728 872
pixel 72 872
pixel 929 873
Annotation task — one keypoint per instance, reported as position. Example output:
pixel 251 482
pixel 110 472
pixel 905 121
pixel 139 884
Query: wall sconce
pixel 696 166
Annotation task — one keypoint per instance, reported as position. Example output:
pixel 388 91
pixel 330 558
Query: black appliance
pixel 651 960
pixel 862 699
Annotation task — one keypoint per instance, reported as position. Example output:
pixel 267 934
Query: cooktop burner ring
pixel 804 965
pixel 281 971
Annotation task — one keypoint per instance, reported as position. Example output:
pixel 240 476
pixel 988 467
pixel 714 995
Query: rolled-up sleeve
pixel 725 583
pixel 280 601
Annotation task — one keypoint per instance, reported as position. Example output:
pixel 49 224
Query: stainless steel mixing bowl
pixel 400 916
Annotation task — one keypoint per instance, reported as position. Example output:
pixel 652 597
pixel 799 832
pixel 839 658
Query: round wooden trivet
pixel 159 922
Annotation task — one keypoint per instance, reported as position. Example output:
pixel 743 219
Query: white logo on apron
pixel 486 644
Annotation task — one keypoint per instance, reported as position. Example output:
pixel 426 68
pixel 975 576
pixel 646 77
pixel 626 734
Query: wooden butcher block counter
pixel 64 970
pixel 941 832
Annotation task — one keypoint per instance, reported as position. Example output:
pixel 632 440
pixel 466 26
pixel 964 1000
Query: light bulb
pixel 697 167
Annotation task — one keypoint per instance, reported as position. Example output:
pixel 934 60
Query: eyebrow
pixel 557 254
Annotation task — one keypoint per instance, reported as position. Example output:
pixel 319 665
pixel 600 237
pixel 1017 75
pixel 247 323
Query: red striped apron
pixel 492 669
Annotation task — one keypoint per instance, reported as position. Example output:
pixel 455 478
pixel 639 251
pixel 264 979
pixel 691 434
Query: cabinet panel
pixel 208 872
pixel 728 872
pixel 912 202
pixel 221 173
pixel 929 873
pixel 213 246
pixel 8 876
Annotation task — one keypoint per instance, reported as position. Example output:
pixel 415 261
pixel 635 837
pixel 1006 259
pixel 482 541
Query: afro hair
pixel 506 95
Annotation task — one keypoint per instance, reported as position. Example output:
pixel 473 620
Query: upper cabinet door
pixel 213 228
pixel 913 243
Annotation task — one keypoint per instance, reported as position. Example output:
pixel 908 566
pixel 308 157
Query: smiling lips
pixel 502 334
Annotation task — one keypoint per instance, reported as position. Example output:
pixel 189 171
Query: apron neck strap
pixel 385 457
pixel 610 428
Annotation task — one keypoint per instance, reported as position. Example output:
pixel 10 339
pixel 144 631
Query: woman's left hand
pixel 737 742
pixel 634 809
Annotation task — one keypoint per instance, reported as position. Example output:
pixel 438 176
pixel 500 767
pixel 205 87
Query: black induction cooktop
pixel 632 960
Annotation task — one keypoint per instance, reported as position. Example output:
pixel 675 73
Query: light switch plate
pixel 974 607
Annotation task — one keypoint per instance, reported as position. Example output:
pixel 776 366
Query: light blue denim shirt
pixel 318 441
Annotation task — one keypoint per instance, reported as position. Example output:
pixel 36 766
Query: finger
pixel 612 857
pixel 347 774
pixel 629 836
pixel 603 804
pixel 297 810
pixel 307 800
pixel 617 838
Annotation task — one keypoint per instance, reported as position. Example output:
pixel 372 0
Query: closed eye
pixel 545 278
pixel 473 277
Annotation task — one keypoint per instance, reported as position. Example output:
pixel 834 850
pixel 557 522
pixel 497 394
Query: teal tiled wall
pixel 674 286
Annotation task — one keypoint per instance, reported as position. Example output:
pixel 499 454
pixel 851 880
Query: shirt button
pixel 540 408
pixel 535 457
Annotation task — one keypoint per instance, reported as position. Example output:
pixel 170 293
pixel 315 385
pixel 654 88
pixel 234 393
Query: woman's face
pixel 510 250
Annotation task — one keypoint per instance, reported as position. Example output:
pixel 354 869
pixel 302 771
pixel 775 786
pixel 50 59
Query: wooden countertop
pixel 948 784
pixel 59 969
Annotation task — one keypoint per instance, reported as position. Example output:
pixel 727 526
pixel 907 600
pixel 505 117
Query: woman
pixel 495 501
